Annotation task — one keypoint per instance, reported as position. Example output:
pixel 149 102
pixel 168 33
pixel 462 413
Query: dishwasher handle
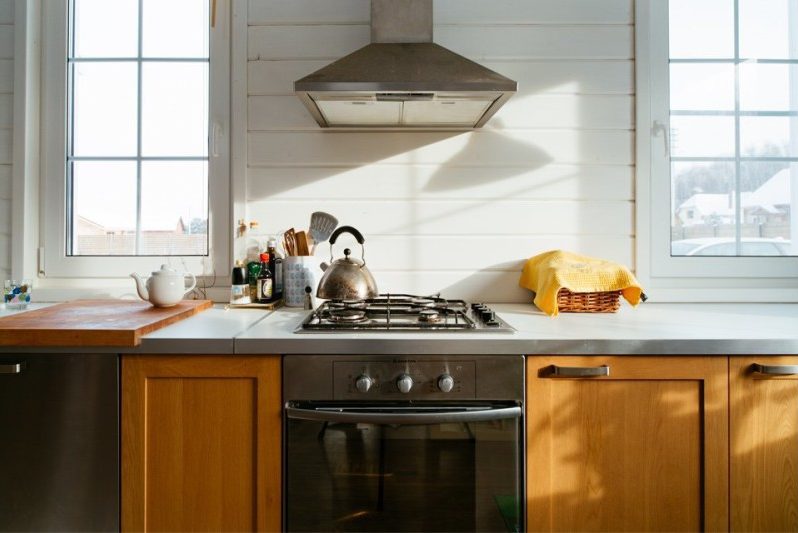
pixel 409 418
pixel 12 368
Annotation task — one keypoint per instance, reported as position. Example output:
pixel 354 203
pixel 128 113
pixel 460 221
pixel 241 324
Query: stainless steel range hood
pixel 402 79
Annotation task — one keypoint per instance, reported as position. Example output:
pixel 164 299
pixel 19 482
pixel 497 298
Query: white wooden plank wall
pixel 6 123
pixel 456 212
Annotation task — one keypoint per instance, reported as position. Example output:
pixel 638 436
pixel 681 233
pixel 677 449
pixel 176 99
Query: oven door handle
pixel 411 418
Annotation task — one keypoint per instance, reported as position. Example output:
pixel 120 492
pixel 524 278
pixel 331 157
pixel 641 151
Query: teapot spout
pixel 141 287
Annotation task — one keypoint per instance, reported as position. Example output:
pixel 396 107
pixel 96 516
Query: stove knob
pixel 364 383
pixel 404 383
pixel 445 383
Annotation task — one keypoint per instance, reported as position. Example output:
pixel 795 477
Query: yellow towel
pixel 547 273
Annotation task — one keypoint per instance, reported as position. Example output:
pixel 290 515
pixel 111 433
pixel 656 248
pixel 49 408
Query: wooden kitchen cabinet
pixel 643 449
pixel 201 443
pixel 764 445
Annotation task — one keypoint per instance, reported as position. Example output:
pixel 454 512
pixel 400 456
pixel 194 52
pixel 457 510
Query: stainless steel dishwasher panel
pixel 59 442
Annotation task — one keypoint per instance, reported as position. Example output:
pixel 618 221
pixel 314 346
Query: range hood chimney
pixel 403 79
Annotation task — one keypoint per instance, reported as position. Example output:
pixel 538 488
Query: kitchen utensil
pixel 302 245
pixel 165 288
pixel 289 241
pixel 299 272
pixel 321 227
pixel 347 278
pixel 93 322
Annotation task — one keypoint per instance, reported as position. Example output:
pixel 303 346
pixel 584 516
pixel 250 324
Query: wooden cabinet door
pixel 764 443
pixel 642 449
pixel 201 443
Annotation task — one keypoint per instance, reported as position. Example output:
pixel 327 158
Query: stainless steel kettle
pixel 347 278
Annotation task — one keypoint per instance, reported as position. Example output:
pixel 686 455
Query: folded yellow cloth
pixel 547 273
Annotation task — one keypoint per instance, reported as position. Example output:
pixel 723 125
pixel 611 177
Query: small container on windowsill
pixel 17 295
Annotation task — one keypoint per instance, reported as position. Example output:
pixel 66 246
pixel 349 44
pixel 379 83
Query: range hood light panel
pixel 403 110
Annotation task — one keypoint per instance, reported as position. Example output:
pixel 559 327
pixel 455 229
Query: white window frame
pixel 682 278
pixel 53 259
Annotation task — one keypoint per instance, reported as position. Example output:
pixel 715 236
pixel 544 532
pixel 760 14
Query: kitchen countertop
pixel 657 329
pixel 652 328
pixel 210 332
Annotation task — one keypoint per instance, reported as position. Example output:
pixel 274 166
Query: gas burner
pixel 429 316
pixel 402 312
pixel 350 316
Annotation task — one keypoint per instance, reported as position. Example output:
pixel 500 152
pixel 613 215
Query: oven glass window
pixel 372 477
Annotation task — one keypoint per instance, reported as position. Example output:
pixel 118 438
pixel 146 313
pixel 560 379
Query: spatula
pixel 321 227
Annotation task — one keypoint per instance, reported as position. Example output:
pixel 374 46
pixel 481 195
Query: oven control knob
pixel 363 383
pixel 404 383
pixel 445 383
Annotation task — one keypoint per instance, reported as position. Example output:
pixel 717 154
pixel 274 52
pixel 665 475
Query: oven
pixel 417 443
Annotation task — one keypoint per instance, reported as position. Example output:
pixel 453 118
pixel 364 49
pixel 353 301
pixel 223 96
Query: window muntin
pixel 733 124
pixel 137 136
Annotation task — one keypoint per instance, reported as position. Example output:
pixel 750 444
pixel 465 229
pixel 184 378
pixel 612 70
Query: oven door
pixel 408 467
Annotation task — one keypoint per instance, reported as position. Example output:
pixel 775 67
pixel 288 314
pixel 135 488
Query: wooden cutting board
pixel 93 322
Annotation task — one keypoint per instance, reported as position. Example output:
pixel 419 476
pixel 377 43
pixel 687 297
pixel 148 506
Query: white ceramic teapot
pixel 165 288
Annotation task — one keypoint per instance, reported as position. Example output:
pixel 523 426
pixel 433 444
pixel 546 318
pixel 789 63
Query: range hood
pixel 402 79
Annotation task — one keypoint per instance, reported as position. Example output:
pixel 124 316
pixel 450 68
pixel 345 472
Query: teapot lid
pixel 166 270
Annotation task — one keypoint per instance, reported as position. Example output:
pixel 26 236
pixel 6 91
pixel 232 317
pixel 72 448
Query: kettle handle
pixel 347 229
pixel 356 234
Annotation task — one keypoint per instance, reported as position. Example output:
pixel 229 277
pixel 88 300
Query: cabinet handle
pixel 555 371
pixel 774 370
pixel 12 368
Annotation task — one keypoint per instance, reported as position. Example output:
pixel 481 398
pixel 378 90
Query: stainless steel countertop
pixel 652 328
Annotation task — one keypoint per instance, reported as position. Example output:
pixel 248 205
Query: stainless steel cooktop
pixel 403 312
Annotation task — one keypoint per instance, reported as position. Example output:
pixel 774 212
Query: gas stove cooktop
pixel 403 312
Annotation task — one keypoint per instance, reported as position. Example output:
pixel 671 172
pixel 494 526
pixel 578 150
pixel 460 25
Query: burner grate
pixel 391 312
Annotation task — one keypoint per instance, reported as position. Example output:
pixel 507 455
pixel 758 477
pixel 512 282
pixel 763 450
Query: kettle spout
pixel 141 287
pixel 324 267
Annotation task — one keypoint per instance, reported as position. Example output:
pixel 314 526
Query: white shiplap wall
pixel 456 212
pixel 6 121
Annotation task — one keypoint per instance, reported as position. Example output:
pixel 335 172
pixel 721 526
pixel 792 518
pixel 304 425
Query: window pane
pixel 104 208
pixel 766 87
pixel 106 28
pixel 174 215
pixel 702 87
pixel 175 109
pixel 703 207
pixel 769 136
pixel 702 136
pixel 175 28
pixel 702 29
pixel 765 29
pixel 767 206
pixel 104 109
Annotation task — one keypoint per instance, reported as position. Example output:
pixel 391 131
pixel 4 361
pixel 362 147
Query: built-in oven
pixel 387 443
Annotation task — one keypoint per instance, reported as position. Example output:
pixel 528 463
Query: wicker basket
pixel 588 302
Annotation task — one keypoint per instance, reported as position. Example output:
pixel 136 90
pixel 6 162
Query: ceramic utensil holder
pixel 300 271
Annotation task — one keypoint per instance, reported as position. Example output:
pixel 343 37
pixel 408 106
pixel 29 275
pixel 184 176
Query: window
pixel 719 94
pixel 130 167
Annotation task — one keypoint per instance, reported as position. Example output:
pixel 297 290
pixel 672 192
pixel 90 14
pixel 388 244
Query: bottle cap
pixel 271 243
